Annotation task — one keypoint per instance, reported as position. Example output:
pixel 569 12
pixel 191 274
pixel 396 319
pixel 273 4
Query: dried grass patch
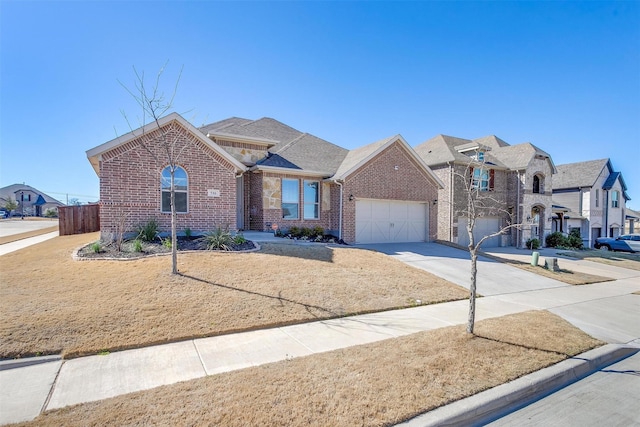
pixel 52 304
pixel 616 259
pixel 373 385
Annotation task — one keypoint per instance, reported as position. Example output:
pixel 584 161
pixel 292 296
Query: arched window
pixel 536 184
pixel 181 187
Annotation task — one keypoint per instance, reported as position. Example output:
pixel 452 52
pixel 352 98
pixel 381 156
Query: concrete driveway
pixel 494 278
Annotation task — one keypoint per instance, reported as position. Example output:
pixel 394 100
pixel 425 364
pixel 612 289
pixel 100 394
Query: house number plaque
pixel 213 193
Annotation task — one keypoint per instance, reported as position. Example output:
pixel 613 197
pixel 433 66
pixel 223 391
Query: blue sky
pixel 562 75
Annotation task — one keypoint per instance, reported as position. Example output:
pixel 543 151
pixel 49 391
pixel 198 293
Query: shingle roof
pixel 262 128
pixel 491 141
pixel 579 174
pixel 307 152
pixel 519 156
pixel 440 149
pixel 443 149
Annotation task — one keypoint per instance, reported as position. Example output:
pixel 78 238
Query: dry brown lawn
pixel 617 259
pixel 372 385
pixel 52 304
pixel 563 275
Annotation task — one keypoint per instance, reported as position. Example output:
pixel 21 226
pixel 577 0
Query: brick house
pixel 262 175
pixel 595 196
pixel 514 183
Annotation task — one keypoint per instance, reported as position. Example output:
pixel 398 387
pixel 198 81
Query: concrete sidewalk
pixel 607 311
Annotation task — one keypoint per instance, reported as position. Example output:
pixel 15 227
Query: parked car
pixel 4 214
pixel 624 243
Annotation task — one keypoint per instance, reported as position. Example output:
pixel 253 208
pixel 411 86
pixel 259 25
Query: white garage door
pixel 390 221
pixel 483 227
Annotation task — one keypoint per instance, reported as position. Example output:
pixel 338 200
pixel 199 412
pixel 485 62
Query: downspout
pixel 340 213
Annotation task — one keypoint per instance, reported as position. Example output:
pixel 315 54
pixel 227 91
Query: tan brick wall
pixel 130 182
pixel 379 179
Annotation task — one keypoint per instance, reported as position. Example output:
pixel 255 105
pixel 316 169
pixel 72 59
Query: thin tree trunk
pixel 472 292
pixel 174 242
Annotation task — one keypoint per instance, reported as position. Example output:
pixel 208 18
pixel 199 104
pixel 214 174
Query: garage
pixel 483 227
pixel 390 221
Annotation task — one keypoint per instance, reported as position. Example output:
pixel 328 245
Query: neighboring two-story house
pixel 30 201
pixel 595 195
pixel 514 183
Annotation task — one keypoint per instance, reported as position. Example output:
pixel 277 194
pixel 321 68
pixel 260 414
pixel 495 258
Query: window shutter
pixel 491 178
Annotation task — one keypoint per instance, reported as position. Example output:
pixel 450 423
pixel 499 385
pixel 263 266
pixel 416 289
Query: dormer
pixel 473 150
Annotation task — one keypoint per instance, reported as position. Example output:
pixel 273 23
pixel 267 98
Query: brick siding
pixel 130 183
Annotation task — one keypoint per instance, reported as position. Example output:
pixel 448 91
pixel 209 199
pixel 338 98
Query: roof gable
pixel 580 174
pixel 95 153
pixel 357 158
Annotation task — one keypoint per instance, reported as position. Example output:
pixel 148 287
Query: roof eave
pixel 95 154
pixel 290 171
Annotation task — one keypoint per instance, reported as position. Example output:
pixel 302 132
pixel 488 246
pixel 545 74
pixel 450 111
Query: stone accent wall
pixel 380 179
pixel 130 183
pixel 270 209
pixel 245 152
pixel 271 192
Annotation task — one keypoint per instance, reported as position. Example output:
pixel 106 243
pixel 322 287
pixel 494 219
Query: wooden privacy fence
pixel 78 219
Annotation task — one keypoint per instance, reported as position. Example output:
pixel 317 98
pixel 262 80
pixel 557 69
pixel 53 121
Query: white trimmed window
pixel 311 199
pixel 481 179
pixel 181 188
pixel 615 196
pixel 290 198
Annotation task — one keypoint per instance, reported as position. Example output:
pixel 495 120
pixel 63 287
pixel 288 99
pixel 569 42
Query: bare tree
pixel 479 203
pixel 154 105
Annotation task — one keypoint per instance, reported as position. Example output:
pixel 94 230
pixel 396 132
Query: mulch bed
pixel 154 248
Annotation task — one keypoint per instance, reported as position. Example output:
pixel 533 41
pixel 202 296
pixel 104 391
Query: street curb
pixel 494 403
pixel 29 361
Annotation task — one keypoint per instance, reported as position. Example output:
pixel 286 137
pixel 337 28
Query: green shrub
pixel 219 239
pixel 555 239
pixel 188 233
pixel 318 231
pixel 96 247
pixel 51 213
pixel 167 243
pixel 574 240
pixel 295 231
pixel 239 239
pixel 307 232
pixel 533 244
pixel 137 245
pixel 148 232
